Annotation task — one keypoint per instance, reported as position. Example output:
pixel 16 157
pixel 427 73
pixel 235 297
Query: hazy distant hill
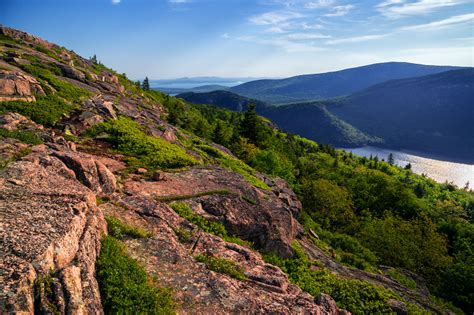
pixel 325 85
pixel 433 113
pixel 198 89
pixel 310 120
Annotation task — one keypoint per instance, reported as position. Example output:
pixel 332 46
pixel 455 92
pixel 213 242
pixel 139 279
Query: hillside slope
pixel 326 85
pixel 431 114
pixel 115 199
pixel 310 120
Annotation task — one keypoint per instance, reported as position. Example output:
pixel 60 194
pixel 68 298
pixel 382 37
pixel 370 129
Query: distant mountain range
pixel 326 85
pixel 432 113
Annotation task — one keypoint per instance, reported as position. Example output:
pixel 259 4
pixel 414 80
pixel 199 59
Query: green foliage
pixel 414 245
pixel 402 279
pixel 18 155
pixel 327 203
pixel 222 265
pixel 216 228
pixel 43 288
pixel 197 195
pixel 119 229
pixel 125 286
pixel 358 297
pixel 28 137
pixel 47 110
pixel 183 234
pixel 150 152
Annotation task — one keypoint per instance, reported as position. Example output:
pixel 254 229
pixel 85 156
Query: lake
pixel 438 170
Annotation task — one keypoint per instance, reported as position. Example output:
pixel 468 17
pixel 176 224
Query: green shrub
pixel 124 285
pixel 24 136
pixel 222 265
pixel 402 279
pixel 150 152
pixel 184 197
pixel 358 297
pixel 47 110
pixel 216 228
pixel 183 234
pixel 119 229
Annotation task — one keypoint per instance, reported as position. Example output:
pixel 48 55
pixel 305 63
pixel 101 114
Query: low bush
pixel 119 229
pixel 124 285
pixel 215 228
pixel 24 136
pixel 222 265
pixel 358 297
pixel 150 152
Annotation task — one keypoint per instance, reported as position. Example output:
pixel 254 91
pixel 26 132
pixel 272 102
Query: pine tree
pixel 93 59
pixel 249 125
pixel 391 159
pixel 146 84
pixel 138 84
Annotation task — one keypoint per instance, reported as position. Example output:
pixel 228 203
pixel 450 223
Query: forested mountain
pixel 326 85
pixel 433 114
pixel 311 120
pixel 119 199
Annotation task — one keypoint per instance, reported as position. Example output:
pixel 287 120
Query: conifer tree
pixel 146 84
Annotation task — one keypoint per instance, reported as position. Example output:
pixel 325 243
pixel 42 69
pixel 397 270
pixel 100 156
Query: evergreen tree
pixel 146 84
pixel 249 125
pixel 93 59
pixel 408 166
pixel 138 84
pixel 391 159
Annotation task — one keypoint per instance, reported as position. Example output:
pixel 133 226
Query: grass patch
pixel 222 265
pixel 201 194
pixel 23 152
pixel 119 229
pixel 249 200
pixel 43 287
pixel 358 297
pixel 24 136
pixel 101 200
pixel 234 164
pixel 125 287
pixel 149 152
pixel 47 110
pixel 402 279
pixel 215 228
pixel 183 234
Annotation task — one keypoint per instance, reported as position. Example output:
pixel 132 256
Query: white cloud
pixel 116 1
pixel 283 43
pixel 340 10
pixel 355 39
pixel 319 4
pixel 274 18
pixel 179 1
pixel 306 36
pixel 458 19
pixel 400 8
pixel 225 36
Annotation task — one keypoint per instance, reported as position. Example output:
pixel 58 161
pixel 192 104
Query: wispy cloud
pixel 179 1
pixel 274 18
pixel 340 10
pixel 284 43
pixel 306 36
pixel 356 39
pixel 116 1
pixel 401 8
pixel 454 20
pixel 319 4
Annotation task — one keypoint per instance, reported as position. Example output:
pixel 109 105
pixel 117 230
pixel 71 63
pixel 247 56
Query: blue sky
pixel 239 38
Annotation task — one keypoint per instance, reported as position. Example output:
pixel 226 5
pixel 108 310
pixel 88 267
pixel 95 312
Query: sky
pixel 165 39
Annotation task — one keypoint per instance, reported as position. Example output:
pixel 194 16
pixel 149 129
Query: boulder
pixel 51 230
pixel 398 307
pixel 72 72
pixel 93 174
pixel 15 121
pixel 16 86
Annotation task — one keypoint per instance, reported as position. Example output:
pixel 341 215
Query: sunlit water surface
pixel 440 171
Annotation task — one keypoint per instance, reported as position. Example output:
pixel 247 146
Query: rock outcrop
pixel 16 86
pixel 264 217
pixel 51 230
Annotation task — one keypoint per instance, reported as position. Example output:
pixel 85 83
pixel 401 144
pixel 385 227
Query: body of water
pixel 440 171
